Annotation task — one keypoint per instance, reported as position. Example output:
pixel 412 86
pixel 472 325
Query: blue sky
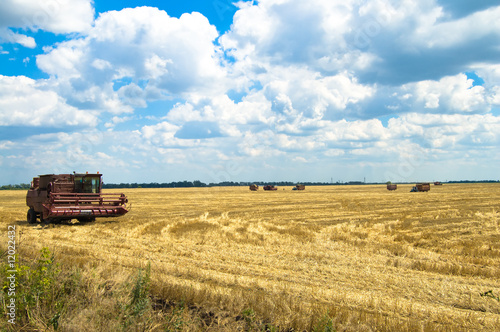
pixel 271 90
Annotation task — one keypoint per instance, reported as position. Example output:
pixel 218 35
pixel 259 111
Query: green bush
pixel 325 324
pixel 35 295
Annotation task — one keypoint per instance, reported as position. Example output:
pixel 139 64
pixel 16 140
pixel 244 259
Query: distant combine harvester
pixel 392 187
pixel 421 187
pixel 270 187
pixel 254 187
pixel 299 187
pixel 437 183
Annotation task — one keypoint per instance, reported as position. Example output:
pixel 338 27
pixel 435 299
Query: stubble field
pixel 361 257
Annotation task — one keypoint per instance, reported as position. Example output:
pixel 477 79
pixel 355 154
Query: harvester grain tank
pixel 421 187
pixel 58 197
pixel 392 187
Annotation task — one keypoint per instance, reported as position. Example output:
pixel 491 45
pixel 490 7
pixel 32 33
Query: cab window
pixel 87 184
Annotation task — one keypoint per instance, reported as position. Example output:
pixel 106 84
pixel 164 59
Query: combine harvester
pixel 270 187
pixel 254 187
pixel 60 197
pixel 421 187
pixel 392 187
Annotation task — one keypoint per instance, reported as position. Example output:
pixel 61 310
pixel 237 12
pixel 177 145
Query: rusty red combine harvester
pixel 391 186
pixel 270 187
pixel 59 197
pixel 421 187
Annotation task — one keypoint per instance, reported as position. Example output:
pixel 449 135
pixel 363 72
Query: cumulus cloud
pixel 327 74
pixel 307 93
pixel 423 44
pixel 160 57
pixel 57 16
pixel 334 60
pixel 381 41
pixel 250 111
pixel 453 131
pixel 451 94
pixel 474 27
pixel 16 38
pixel 25 102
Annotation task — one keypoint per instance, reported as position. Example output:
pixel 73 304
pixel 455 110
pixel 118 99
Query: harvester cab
pixel 88 183
pixel 58 197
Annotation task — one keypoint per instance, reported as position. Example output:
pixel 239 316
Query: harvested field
pixel 368 258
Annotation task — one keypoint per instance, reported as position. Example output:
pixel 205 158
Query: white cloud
pixel 312 94
pixel 290 31
pixel 451 131
pixel 57 16
pixel 254 109
pixel 16 38
pixel 464 30
pixel 451 94
pixel 25 102
pixel 145 47
pixel 6 145
pixel 376 41
pixel 354 131
pixel 117 120
pixel 65 60
pixel 323 59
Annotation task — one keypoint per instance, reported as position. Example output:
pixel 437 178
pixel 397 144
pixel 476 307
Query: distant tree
pixel 198 183
pixel 22 186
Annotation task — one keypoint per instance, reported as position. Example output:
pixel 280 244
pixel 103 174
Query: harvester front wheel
pixel 31 216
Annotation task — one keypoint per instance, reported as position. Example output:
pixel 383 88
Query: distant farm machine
pixel 419 187
pixel 254 187
pixel 391 186
pixel 59 197
pixel 270 187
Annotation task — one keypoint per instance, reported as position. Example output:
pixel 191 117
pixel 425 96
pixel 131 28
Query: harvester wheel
pixel 31 216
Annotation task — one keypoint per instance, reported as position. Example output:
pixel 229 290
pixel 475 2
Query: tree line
pixel 199 184
pixel 22 186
